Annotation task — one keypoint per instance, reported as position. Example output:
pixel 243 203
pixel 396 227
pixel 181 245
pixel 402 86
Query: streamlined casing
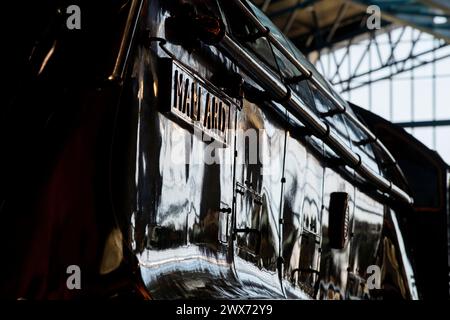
pixel 150 197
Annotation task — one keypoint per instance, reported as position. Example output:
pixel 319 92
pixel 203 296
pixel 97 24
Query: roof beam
pixel 301 5
pixel 443 5
pixel 421 124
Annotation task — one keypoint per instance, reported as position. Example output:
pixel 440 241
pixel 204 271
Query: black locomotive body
pixel 196 155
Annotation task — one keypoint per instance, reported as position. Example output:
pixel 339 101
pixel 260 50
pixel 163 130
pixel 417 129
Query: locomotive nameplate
pixel 196 102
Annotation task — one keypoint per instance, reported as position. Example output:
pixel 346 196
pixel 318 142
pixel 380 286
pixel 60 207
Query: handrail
pixel 127 38
pixel 308 74
pixel 270 82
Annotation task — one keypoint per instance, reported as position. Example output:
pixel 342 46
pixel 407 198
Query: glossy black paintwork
pixel 179 216
pixel 112 198
pixel 425 228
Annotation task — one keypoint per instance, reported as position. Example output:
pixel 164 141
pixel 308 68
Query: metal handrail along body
pixel 311 77
pixel 293 103
pixel 291 100
pixel 126 43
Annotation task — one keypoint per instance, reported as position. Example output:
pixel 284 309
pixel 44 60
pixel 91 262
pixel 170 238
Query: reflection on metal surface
pixel 47 58
pixel 113 253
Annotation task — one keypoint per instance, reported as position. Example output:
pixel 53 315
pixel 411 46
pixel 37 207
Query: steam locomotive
pixel 186 149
